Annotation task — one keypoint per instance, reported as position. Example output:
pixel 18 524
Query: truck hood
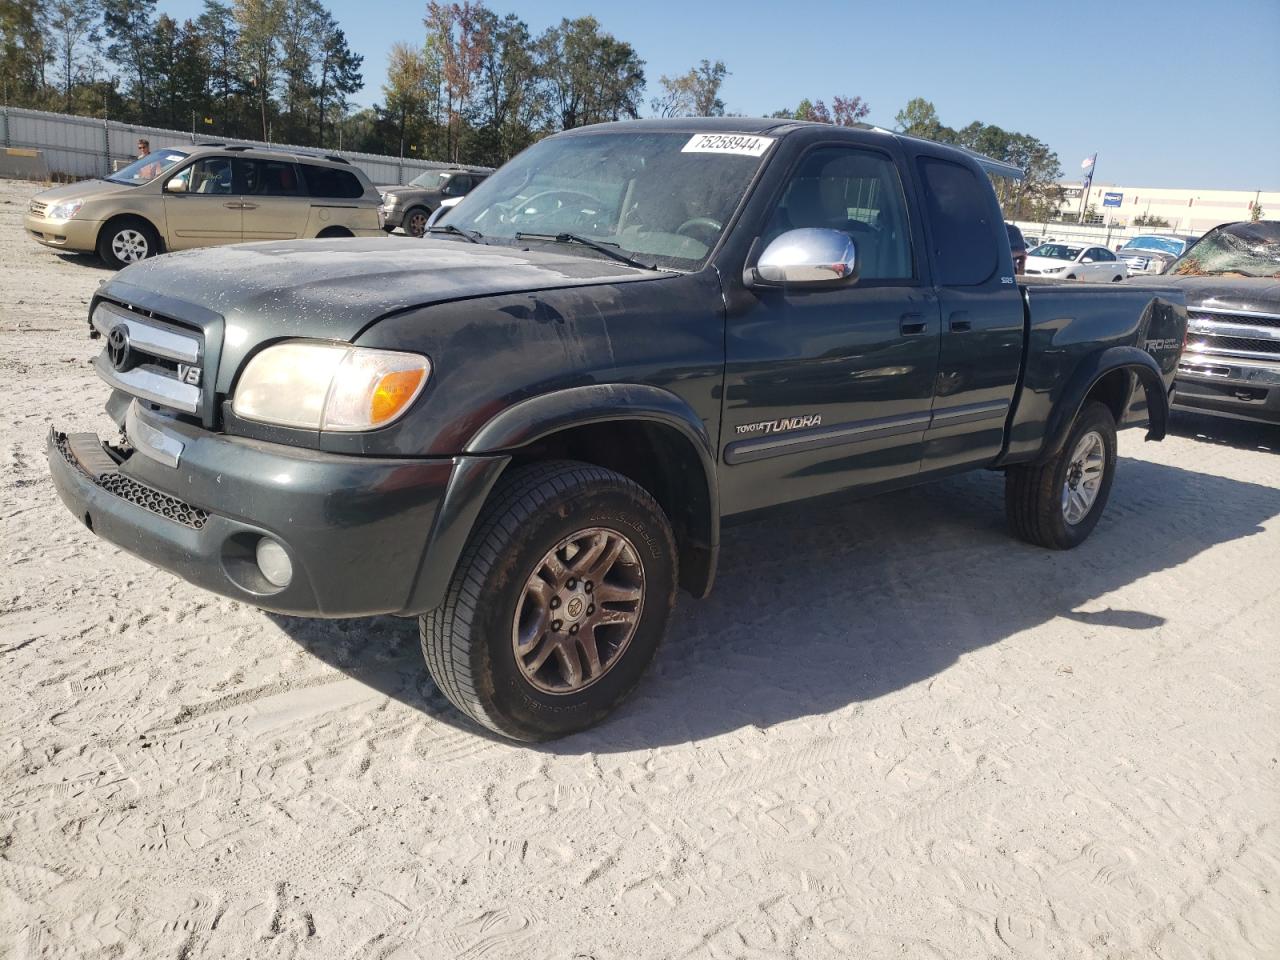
pixel 1257 294
pixel 247 294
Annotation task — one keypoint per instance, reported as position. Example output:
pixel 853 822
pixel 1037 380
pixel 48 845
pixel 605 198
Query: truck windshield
pixel 1161 244
pixel 1056 251
pixel 661 197
pixel 145 169
pixel 1236 250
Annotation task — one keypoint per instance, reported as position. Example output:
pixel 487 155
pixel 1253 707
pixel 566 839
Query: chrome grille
pixel 1233 333
pixel 150 358
pixel 38 208
pixel 139 494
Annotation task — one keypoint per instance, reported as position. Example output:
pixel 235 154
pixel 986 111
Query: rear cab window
pixel 963 235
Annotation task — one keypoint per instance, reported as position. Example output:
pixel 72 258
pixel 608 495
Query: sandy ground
pixel 893 731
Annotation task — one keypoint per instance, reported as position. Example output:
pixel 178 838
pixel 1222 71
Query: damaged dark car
pixel 1231 279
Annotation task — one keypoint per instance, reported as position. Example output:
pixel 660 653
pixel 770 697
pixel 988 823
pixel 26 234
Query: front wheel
pixel 559 601
pixel 1057 504
pixel 127 240
pixel 415 221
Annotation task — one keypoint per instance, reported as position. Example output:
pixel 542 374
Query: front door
pixel 827 389
pixel 201 207
pixel 274 201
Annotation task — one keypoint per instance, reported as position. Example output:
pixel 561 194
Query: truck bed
pixel 1065 321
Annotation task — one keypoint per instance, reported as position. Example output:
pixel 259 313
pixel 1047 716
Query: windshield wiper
pixel 599 247
pixel 457 231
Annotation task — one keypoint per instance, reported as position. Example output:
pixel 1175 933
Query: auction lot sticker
pixel 742 144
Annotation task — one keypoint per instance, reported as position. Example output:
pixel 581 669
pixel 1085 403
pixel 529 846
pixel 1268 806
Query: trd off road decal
pixel 1154 346
pixel 781 426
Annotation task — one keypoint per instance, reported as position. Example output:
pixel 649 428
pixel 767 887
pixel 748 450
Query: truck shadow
pixel 828 604
pixel 1224 431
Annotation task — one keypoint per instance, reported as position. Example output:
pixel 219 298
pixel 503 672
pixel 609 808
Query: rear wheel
pixel 415 221
pixel 127 240
pixel 558 604
pixel 1057 504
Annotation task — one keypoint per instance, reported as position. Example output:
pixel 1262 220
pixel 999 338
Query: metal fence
pixel 80 147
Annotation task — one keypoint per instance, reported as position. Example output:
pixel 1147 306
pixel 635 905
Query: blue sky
pixel 1171 93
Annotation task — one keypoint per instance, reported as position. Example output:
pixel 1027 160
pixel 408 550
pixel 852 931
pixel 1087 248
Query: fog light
pixel 274 562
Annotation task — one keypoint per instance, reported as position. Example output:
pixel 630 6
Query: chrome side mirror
pixel 176 184
pixel 810 256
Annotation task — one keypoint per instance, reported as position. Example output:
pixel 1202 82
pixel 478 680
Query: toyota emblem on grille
pixel 118 347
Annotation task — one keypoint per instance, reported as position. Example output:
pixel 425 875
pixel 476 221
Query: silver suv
pixel 411 206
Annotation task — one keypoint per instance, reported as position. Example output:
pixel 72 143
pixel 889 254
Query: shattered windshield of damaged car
pixel 1159 244
pixel 1236 250
pixel 662 198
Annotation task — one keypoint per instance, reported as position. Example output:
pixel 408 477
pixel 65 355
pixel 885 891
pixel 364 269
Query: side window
pixel 1103 254
pixel 212 175
pixel 457 186
pixel 331 183
pixel 857 192
pixel 269 178
pixel 964 237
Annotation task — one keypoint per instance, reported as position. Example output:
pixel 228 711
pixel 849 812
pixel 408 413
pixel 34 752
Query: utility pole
pixel 1090 164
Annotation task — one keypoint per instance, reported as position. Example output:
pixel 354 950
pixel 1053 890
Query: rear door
pixel 982 316
pixel 1108 266
pixel 205 210
pixel 276 206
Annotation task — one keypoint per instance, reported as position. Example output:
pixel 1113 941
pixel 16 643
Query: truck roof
pixel 779 126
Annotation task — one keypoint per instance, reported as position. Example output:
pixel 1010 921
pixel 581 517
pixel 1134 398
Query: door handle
pixel 248 206
pixel 913 324
pixel 234 206
pixel 959 322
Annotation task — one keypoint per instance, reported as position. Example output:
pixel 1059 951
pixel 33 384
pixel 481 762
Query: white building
pixel 1187 211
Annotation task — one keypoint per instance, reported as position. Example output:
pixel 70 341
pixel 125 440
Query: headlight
pixel 388 200
pixel 63 211
pixel 329 386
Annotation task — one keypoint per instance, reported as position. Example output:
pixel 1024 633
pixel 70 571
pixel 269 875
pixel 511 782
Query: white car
pixel 445 207
pixel 1075 261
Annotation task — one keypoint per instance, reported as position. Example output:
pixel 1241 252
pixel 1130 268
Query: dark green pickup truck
pixel 527 428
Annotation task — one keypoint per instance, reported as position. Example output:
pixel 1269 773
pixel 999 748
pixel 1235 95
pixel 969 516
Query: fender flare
pixel 490 450
pixel 531 420
pixel 1086 377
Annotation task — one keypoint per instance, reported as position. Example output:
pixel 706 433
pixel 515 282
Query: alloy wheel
pixel 578 611
pixel 1084 477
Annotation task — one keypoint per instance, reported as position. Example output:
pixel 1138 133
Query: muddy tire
pixel 1057 504
pixel 415 221
pixel 127 240
pixel 559 601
